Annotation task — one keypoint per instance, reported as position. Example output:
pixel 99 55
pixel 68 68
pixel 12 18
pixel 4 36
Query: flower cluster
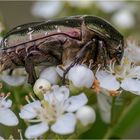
pixel 56 110
pixel 61 111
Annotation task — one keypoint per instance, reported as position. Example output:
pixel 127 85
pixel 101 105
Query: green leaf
pixel 129 116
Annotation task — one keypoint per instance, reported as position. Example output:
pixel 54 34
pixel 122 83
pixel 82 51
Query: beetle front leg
pixel 30 68
pixel 80 54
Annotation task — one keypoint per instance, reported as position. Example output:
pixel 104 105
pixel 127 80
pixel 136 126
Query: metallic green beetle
pixel 67 41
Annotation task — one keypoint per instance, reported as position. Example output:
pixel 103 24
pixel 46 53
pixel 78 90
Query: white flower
pixel 86 115
pixel 81 4
pixel 13 80
pixel 7 117
pixel 124 19
pixel 132 85
pixel 107 80
pixel 36 130
pixel 1 138
pixel 125 76
pixel 46 9
pixel 110 6
pixel 41 86
pixel 81 76
pixel 50 74
pixel 55 112
pixel 133 51
pixel 17 77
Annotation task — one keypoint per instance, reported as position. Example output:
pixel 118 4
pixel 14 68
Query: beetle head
pixel 116 51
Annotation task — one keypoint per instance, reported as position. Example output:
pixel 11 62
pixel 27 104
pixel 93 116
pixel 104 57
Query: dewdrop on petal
pixel 41 86
pixel 81 76
pixel 86 115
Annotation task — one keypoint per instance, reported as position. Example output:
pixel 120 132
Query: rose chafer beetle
pixel 67 41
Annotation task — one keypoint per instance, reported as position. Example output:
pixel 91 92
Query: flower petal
pixel 36 130
pixel 135 72
pixel 107 80
pixel 65 124
pixel 1 138
pixel 76 102
pixel 106 116
pixel 46 9
pixel 6 103
pixel 7 117
pixel 109 6
pixel 41 86
pixel 86 115
pixel 50 74
pixel 58 94
pixel 124 18
pixel 105 107
pixel 104 102
pixel 29 111
pixel 13 80
pixel 133 51
pixel 81 76
pixel 132 85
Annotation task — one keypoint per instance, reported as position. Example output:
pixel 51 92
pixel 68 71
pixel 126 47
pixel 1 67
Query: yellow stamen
pixel 113 93
pixel 27 99
pixel 96 86
pixel 30 95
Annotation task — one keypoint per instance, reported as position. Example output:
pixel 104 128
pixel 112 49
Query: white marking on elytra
pixel 30 34
pixel 46 33
pixel 58 30
pixel 107 35
pixel 18 28
pixel 101 25
pixel 5 42
pixel 29 28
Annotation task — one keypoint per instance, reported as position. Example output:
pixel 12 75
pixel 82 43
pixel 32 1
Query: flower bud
pixel 81 76
pixel 41 86
pixel 86 115
pixel 50 74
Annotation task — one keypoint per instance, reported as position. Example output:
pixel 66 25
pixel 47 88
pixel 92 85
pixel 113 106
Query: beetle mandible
pixel 67 41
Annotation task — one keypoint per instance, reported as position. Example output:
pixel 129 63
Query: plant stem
pixel 112 110
pixel 110 129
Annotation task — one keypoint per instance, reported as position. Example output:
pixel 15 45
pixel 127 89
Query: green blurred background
pixel 122 14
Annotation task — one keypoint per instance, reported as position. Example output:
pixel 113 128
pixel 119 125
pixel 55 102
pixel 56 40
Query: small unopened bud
pixel 86 115
pixel 50 74
pixel 41 86
pixel 81 76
